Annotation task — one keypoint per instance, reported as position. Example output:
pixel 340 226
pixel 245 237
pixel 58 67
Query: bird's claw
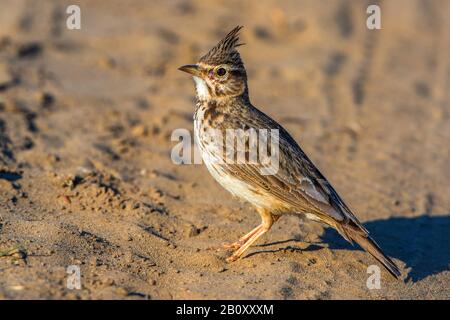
pixel 233 246
pixel 232 258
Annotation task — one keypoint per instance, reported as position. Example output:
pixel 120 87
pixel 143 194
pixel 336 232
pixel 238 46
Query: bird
pixel 297 186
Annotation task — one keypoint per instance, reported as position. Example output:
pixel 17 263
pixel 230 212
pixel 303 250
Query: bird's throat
pixel 201 88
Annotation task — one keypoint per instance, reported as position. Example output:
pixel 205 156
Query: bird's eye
pixel 221 72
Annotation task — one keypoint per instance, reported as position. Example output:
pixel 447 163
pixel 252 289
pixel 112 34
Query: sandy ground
pixel 86 176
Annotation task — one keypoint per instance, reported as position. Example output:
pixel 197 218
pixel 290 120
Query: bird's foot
pixel 228 246
pixel 233 246
pixel 232 258
pixel 238 244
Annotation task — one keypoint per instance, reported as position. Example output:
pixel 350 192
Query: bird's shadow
pixel 422 242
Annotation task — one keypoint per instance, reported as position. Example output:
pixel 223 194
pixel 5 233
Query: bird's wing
pixel 298 183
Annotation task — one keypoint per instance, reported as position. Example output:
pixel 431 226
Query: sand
pixel 86 177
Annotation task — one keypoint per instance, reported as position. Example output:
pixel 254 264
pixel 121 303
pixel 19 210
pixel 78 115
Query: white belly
pixel 237 187
pixel 211 157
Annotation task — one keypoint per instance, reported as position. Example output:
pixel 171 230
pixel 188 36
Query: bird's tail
pixel 353 232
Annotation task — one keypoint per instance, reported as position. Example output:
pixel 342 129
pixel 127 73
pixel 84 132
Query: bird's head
pixel 220 73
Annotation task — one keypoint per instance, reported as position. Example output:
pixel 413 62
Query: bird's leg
pixel 267 221
pixel 238 253
pixel 236 245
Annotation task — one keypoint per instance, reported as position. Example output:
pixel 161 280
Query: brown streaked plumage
pixel 297 187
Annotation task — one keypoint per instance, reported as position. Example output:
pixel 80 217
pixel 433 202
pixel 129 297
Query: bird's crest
pixel 225 51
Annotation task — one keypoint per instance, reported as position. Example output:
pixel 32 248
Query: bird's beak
pixel 191 68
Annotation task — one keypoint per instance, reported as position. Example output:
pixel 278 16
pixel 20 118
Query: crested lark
pixel 297 187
